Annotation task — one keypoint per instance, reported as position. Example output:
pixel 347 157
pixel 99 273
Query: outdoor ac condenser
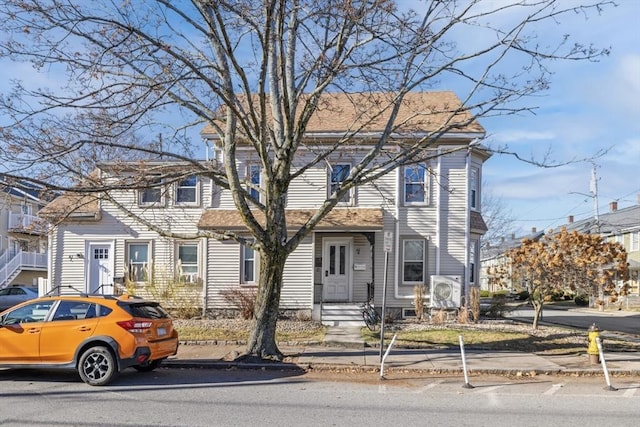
pixel 445 291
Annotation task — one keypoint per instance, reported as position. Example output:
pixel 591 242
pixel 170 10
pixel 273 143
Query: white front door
pixel 336 269
pixel 100 278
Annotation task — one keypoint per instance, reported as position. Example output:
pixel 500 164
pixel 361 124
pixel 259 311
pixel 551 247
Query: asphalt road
pixel 625 322
pixel 196 397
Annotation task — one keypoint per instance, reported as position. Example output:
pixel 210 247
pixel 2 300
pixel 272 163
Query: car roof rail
pixel 56 290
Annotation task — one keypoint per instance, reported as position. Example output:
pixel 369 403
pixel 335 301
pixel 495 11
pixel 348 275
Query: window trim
pixel 254 192
pixel 148 262
pixel 425 185
pixel 634 244
pixel 350 195
pixel 423 241
pixel 474 188
pixel 473 262
pixel 158 186
pixel 196 190
pixel 179 274
pixel 256 262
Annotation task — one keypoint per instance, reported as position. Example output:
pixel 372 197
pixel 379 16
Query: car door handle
pixel 34 330
pixel 84 328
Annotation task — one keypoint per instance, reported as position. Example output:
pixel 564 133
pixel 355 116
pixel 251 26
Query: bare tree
pixel 564 261
pixel 254 72
pixel 497 216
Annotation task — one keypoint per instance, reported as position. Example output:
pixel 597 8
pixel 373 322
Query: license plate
pixel 162 331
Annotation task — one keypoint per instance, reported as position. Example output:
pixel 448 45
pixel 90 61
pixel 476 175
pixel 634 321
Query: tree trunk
pixel 537 311
pixel 262 342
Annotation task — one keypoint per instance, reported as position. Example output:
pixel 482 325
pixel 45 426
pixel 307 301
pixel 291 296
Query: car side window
pixel 36 312
pixel 74 310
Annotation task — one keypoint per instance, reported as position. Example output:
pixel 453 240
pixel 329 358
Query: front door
pixel 100 269
pixel 336 269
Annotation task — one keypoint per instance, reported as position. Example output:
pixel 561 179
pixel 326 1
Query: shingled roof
pixel 420 112
pixel 352 219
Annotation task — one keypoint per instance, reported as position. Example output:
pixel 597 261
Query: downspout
pixel 438 213
pixel 467 227
pixel 205 283
pixel 396 262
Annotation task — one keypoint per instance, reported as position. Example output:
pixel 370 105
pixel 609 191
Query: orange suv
pixel 98 335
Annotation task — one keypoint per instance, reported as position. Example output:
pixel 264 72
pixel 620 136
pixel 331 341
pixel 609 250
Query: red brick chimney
pixel 613 206
pixel 533 230
pixel 570 219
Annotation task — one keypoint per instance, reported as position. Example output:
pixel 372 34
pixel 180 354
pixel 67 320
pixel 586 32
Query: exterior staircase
pixel 11 266
pixel 342 314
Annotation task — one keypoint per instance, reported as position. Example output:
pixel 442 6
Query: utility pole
pixel 593 187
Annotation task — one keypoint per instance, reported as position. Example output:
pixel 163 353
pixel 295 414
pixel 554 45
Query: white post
pixel 386 353
pixel 604 366
pixel 464 364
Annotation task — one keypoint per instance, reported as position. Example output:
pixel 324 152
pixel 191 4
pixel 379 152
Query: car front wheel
pixel 97 366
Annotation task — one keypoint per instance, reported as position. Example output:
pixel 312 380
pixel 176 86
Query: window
pixel 73 310
pixel 413 261
pixel 187 191
pixel 249 265
pixel 635 241
pixel 188 262
pixel 138 262
pixel 254 178
pixel 473 257
pixel 339 174
pixel 152 194
pixel 474 189
pixel 415 184
pixel 35 312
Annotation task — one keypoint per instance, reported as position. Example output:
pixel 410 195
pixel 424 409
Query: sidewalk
pixel 344 348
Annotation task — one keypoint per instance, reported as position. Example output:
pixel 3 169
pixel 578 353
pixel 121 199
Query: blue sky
pixel 589 107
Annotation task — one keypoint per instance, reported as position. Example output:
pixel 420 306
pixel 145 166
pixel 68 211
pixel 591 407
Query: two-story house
pixel 23 238
pixel 423 218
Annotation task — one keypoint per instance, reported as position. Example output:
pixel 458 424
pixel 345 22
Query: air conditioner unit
pixel 446 291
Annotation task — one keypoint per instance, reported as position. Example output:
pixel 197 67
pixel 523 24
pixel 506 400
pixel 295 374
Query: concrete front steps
pixel 345 315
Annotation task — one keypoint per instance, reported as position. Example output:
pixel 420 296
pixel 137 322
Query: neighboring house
pixel 23 238
pixel 621 225
pixel 492 258
pixel 426 217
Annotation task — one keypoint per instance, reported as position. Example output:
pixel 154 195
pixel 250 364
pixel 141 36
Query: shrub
pixel 581 300
pixel 418 301
pixel 244 300
pixel 523 295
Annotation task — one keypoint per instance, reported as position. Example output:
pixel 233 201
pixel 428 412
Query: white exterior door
pixel 336 269
pixel 100 277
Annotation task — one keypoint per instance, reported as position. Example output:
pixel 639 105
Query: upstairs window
pixel 338 174
pixel 474 189
pixel 254 173
pixel 152 195
pixel 635 241
pixel 187 191
pixel 415 184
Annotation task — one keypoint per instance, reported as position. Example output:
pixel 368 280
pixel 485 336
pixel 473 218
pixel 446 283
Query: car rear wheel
pixel 97 366
pixel 149 366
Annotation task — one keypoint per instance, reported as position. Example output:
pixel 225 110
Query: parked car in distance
pixel 15 294
pixel 97 335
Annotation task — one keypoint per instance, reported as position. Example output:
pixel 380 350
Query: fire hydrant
pixel 592 350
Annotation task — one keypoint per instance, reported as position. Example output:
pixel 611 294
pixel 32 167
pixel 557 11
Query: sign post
pixel 388 246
